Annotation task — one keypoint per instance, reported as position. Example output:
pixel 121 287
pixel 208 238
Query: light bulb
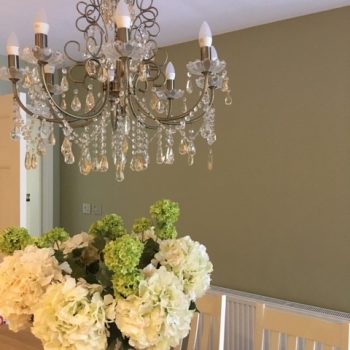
pixel 170 71
pixel 12 47
pixel 214 54
pixel 205 36
pixel 40 24
pixel 122 15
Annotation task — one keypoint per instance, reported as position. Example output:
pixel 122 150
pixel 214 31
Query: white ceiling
pixel 179 19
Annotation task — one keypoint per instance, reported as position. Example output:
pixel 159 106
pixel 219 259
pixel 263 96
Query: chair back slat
pixel 331 334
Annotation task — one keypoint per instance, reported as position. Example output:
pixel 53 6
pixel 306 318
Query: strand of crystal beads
pixel 169 153
pixel 191 148
pixel 207 130
pixel 139 139
pixel 119 149
pixel 17 121
pixel 160 155
pixel 103 142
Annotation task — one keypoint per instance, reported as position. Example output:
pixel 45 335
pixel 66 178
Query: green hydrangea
pixel 165 212
pixel 141 225
pixel 123 255
pixel 127 284
pixel 110 227
pixel 53 238
pixel 166 231
pixel 14 238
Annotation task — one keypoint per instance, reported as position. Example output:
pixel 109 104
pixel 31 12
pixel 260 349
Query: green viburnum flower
pixel 14 238
pixel 125 285
pixel 141 225
pixel 110 227
pixel 164 232
pixel 165 211
pixel 53 238
pixel 123 255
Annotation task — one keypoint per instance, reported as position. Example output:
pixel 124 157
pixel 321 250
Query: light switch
pixel 86 208
pixel 96 209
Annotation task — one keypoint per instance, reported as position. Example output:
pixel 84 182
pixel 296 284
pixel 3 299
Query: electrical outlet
pixel 86 208
pixel 96 209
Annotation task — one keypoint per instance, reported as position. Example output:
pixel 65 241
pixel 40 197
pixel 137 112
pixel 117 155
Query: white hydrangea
pixel 190 263
pixel 24 278
pixel 73 316
pixel 159 316
pixel 78 241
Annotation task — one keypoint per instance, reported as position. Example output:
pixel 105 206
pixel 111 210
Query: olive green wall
pixel 5 86
pixel 275 212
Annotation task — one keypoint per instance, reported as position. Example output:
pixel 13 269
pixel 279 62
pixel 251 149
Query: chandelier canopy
pixel 114 79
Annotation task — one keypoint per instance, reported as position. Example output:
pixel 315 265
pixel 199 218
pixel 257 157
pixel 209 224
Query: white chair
pixel 331 334
pixel 208 326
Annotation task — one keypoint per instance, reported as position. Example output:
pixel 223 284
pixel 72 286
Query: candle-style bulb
pixel 214 54
pixel 122 15
pixel 12 46
pixel 205 36
pixel 40 24
pixel 170 71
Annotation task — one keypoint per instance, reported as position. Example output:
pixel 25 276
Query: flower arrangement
pixel 105 289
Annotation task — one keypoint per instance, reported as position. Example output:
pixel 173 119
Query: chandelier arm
pixel 26 109
pixel 180 116
pixel 54 103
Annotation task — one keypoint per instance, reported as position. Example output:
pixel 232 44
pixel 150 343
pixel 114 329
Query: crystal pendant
pixel 183 147
pixel 138 163
pixel 15 134
pixel 225 85
pixel 228 99
pixel 66 146
pixel 159 154
pixel 190 159
pixel 76 104
pixel 85 164
pixel 127 125
pixel 154 102
pixel 45 129
pixel 64 81
pixel 34 161
pixel 184 107
pixel 125 146
pixel 69 158
pixel 169 156
pixel 189 86
pixel 119 171
pixel 52 138
pixel 210 160
pixel 104 164
pixel 90 99
pixel 41 148
pixel 96 164
pixel 64 102
pixel 28 161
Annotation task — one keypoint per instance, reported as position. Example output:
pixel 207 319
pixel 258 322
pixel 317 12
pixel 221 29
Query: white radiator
pixel 240 316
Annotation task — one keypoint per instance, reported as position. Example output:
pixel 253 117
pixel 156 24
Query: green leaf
pixel 150 249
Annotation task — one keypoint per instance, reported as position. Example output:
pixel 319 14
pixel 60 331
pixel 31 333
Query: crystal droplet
pixel 154 102
pixel 210 160
pixel 225 85
pixel 169 156
pixel 228 100
pixel 102 75
pixel 28 161
pixel 184 107
pixel 63 103
pixel 191 149
pixel 45 129
pixel 119 172
pixel 66 146
pixel 15 134
pixel 96 164
pixel 189 86
pixel 64 83
pixel 85 165
pixel 190 160
pixel 41 148
pixel 127 125
pixel 104 164
pixel 125 145
pixel 69 158
pixel 183 147
pixel 52 139
pixel 76 104
pixel 159 155
pixel 90 100
pixel 34 161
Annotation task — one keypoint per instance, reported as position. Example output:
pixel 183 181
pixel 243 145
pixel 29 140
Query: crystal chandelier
pixel 113 88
